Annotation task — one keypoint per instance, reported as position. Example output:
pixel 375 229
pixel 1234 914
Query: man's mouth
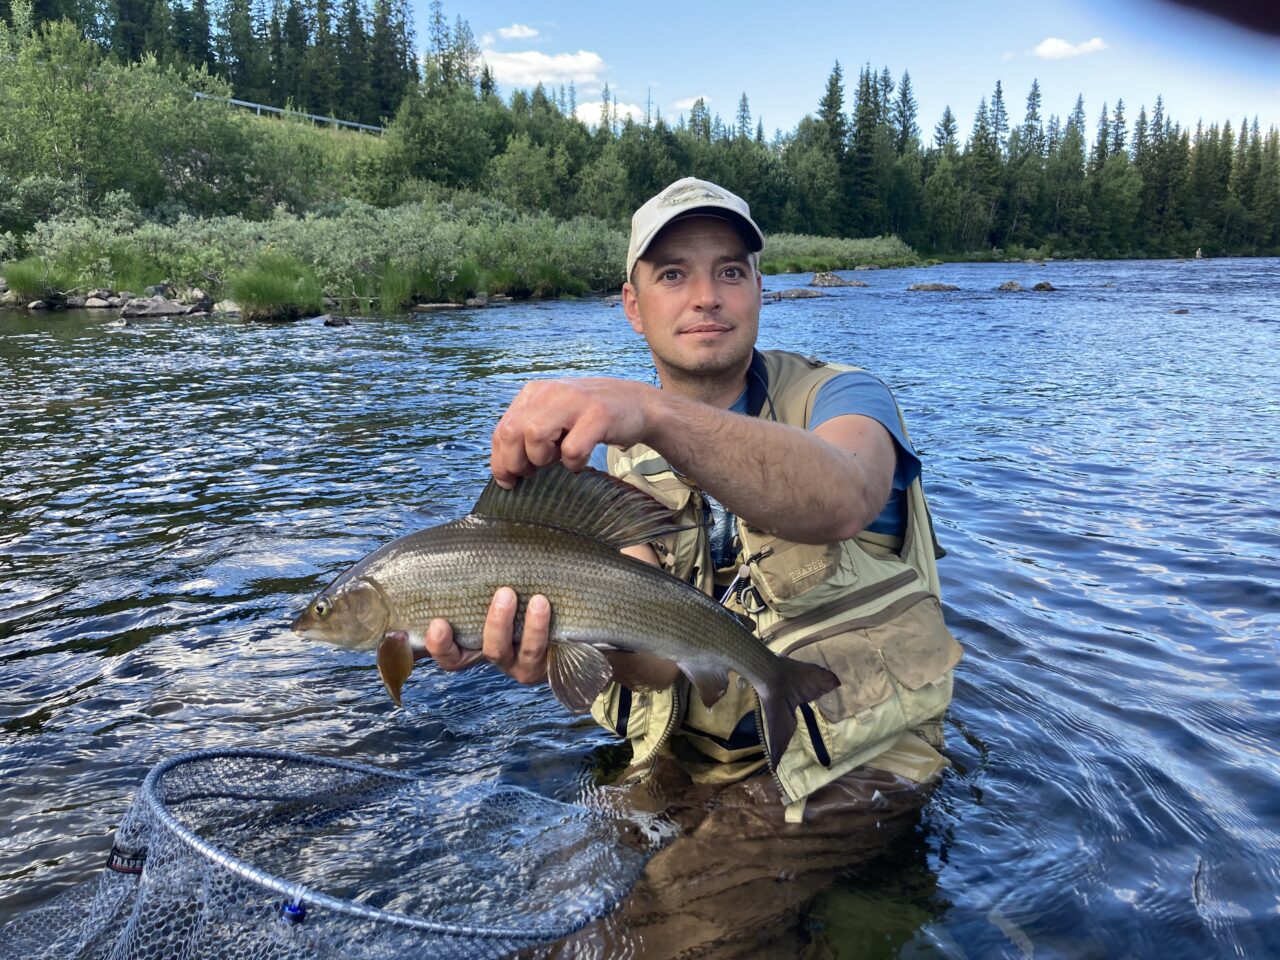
pixel 708 328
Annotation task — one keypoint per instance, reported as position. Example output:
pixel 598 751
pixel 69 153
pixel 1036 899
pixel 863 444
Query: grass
pixel 35 278
pixel 801 253
pixel 276 287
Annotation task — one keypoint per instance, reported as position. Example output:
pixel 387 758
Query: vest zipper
pixel 672 722
pixel 768 760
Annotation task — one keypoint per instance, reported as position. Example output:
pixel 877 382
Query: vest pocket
pixel 893 676
pixel 786 570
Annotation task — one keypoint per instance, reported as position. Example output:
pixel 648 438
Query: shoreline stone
pixel 933 287
pixel 828 279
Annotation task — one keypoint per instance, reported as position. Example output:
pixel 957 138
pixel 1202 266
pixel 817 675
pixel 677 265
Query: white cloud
pixel 1053 48
pixel 688 102
pixel 589 113
pixel 1008 55
pixel 486 40
pixel 517 31
pixel 526 68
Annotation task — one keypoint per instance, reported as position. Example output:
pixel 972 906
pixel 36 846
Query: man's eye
pixel 733 273
pixel 670 274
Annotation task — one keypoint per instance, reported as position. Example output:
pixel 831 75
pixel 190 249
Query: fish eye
pixel 322 608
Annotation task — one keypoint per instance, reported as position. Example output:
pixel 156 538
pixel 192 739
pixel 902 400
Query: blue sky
pixel 781 54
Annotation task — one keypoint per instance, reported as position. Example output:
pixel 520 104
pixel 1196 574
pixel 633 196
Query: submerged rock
pixel 1011 286
pixel 828 279
pixel 332 321
pixel 933 287
pixel 795 293
pixel 1044 286
pixel 432 307
pixel 1180 311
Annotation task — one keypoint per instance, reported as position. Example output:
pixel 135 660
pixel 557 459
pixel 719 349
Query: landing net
pixel 263 854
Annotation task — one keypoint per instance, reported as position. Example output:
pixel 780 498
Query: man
pixel 806 513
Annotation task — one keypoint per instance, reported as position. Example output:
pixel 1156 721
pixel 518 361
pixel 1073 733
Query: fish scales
pixel 596 593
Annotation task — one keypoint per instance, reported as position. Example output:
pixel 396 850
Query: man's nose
pixel 706 291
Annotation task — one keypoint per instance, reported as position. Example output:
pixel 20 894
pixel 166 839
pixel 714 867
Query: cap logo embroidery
pixel 678 198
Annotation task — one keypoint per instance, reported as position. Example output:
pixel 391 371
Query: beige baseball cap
pixel 684 198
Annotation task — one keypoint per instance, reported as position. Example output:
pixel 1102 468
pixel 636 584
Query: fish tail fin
pixel 798 684
pixel 395 662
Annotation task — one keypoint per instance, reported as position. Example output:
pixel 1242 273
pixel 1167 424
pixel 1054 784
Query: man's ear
pixel 631 307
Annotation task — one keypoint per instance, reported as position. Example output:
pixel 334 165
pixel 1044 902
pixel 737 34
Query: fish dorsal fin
pixel 589 503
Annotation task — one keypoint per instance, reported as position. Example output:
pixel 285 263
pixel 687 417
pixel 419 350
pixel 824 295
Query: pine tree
pixel 1102 143
pixel 742 120
pixel 945 132
pixel 831 114
pixel 1032 135
pixel 999 117
pixel 355 92
pixel 1118 130
pixel 905 111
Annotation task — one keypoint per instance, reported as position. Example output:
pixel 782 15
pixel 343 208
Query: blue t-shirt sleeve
pixel 599 458
pixel 858 392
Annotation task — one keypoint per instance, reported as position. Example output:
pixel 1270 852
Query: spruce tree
pixel 904 117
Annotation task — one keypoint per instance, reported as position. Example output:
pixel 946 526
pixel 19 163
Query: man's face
pixel 695 298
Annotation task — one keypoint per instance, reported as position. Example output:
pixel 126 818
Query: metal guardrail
pixel 261 108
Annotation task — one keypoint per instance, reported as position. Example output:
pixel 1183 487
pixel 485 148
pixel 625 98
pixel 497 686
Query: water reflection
pixel 1102 471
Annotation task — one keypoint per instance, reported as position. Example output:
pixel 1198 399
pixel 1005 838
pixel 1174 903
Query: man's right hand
pixel 524 661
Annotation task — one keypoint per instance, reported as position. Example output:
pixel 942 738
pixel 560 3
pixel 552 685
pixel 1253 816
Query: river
pixel 1103 464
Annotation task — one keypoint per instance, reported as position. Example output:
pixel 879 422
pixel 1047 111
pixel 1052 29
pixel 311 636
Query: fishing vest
pixel 867 608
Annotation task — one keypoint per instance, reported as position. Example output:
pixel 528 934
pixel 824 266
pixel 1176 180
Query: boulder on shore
pixel 227 306
pixel 933 287
pixel 867 266
pixel 96 303
pixel 1044 286
pixel 1011 286
pixel 828 279
pixel 156 307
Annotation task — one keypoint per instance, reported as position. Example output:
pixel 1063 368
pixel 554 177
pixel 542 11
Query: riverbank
pixel 359 258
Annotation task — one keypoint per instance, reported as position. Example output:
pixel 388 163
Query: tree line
pixel 860 165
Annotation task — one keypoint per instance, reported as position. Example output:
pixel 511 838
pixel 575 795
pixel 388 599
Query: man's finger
pixel 440 645
pixel 531 657
pixel 499 624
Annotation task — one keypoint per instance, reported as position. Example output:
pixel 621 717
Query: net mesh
pixel 265 854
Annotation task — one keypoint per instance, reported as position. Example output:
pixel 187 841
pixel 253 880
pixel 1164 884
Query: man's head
pixel 693 290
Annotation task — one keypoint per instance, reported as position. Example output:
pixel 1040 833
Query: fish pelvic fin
pixel 800 683
pixel 395 662
pixel 710 682
pixel 578 673
pixel 590 503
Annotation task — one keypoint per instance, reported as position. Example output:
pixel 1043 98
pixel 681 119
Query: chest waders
pixel 867 608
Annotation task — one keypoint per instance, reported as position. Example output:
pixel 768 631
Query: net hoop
pixel 151 797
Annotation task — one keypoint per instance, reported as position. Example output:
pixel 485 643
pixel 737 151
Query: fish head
pixel 352 613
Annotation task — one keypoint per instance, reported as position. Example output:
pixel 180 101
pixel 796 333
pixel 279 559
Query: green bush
pixel 276 287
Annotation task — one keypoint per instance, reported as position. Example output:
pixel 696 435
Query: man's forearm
pixel 783 479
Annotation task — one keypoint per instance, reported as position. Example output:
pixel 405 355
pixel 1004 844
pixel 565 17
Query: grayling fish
pixel 558 533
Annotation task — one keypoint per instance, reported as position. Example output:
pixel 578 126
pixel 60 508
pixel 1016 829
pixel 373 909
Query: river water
pixel 1103 466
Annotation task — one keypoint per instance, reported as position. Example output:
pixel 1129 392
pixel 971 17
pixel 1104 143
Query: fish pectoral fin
pixel 711 682
pixel 395 662
pixel 637 670
pixel 577 672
